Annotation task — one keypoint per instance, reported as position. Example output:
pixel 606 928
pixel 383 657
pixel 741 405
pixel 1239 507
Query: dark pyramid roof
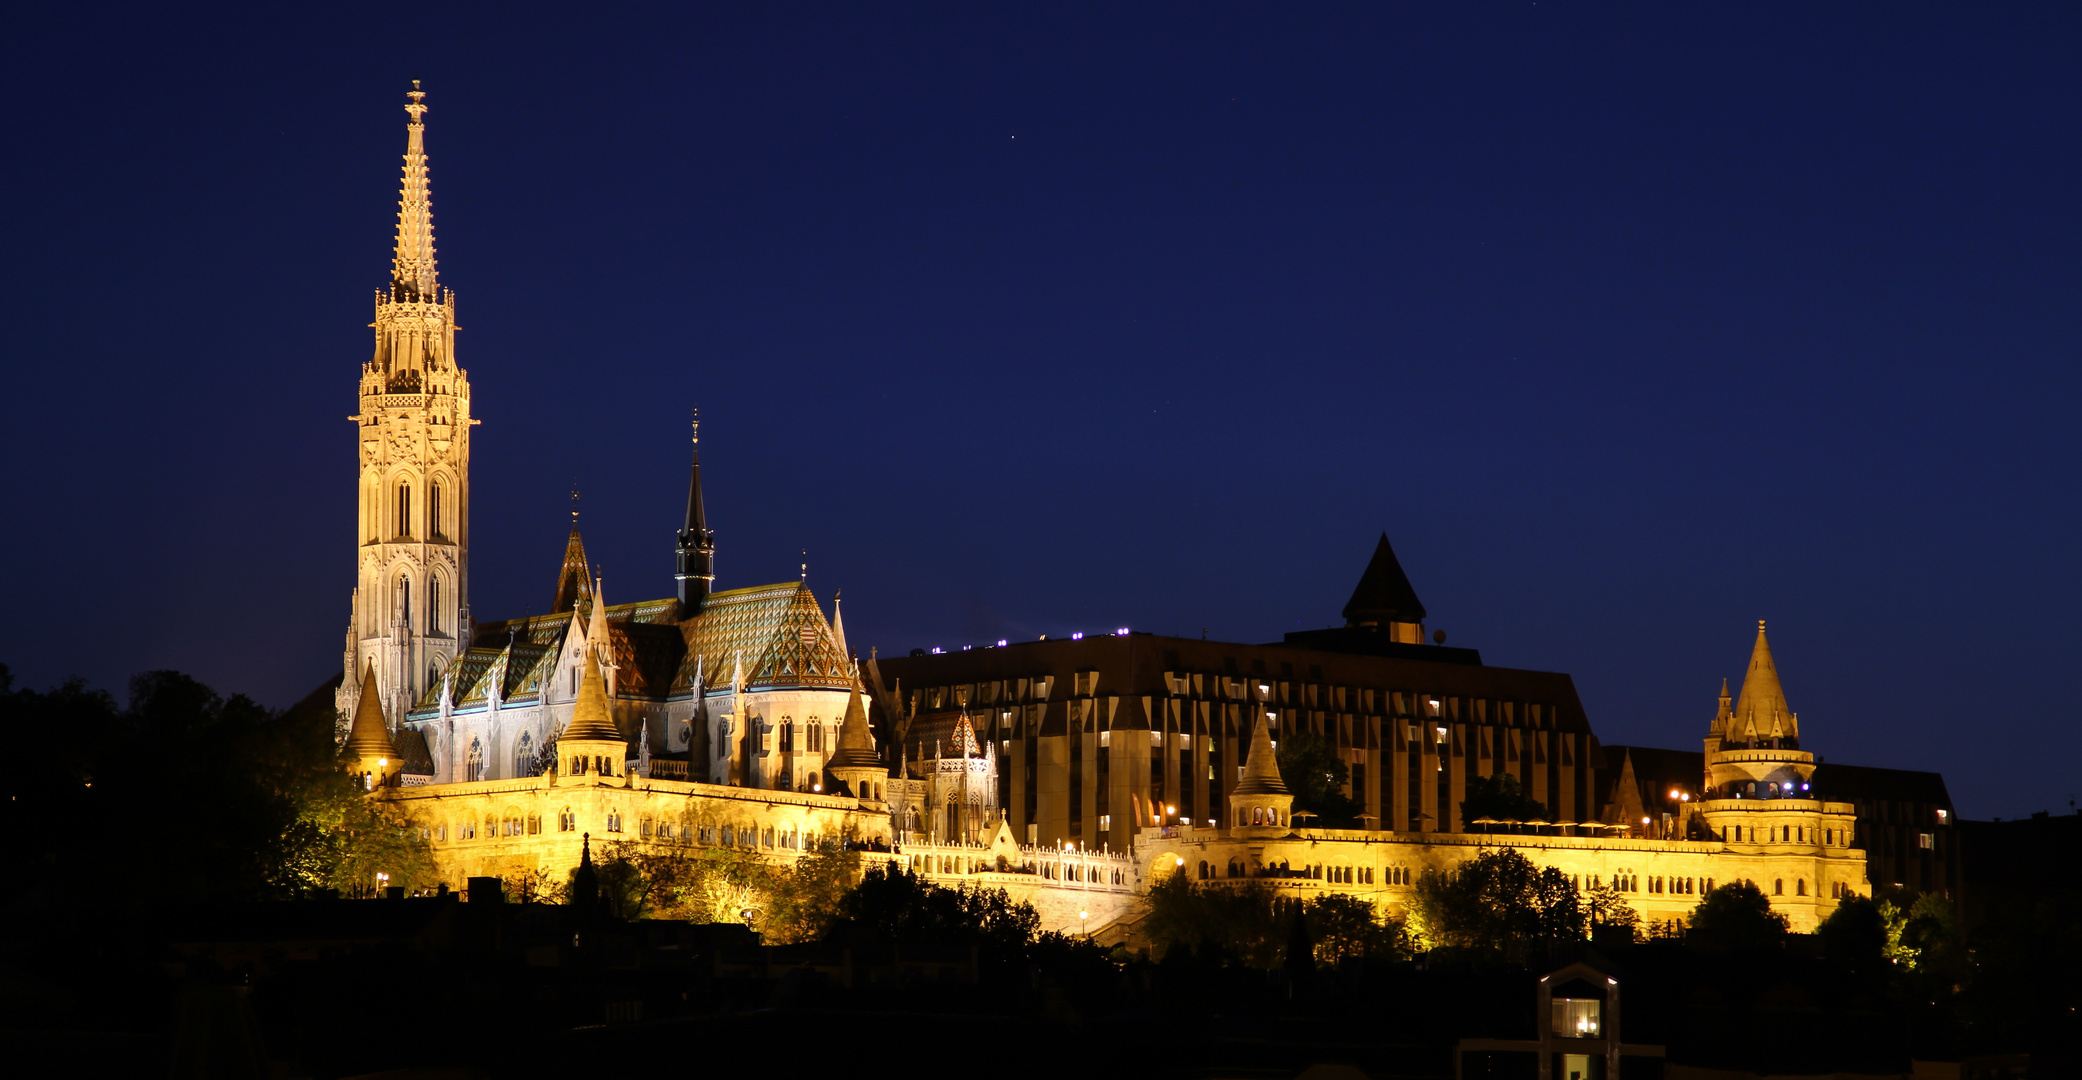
pixel 1261 767
pixel 369 736
pixel 1384 594
pixel 856 747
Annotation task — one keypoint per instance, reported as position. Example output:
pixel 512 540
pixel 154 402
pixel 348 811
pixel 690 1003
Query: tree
pixel 1739 916
pixel 1237 920
pixel 1317 774
pixel 1499 902
pixel 1857 933
pixel 1610 914
pixel 1346 927
pixel 1500 798
pixel 806 898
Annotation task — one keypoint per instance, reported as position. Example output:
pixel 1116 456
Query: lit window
pixel 1577 1018
pixel 1926 841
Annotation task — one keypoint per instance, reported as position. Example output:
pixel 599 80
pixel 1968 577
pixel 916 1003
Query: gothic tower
pixel 411 594
pixel 695 553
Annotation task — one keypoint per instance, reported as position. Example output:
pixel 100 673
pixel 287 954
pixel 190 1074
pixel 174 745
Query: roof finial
pixel 697 425
pixel 806 564
pixel 574 504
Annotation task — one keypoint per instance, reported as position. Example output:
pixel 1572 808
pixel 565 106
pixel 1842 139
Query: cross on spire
pixel 412 265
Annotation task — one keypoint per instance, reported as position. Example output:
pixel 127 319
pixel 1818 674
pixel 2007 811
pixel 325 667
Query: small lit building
pixel 1577 1036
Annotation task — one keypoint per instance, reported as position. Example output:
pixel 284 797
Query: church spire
pixel 412 266
pixel 1762 706
pixel 695 569
pixel 575 580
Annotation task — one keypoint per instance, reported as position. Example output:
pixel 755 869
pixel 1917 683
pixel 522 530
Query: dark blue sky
pixel 1630 325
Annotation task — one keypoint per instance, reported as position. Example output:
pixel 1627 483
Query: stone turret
pixel 1260 804
pixel 592 749
pixel 369 755
pixel 855 767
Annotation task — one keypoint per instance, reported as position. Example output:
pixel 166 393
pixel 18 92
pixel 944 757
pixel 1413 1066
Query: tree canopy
pixel 1500 903
pixel 1501 798
pixel 1316 773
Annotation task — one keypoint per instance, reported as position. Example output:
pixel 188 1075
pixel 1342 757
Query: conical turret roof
pixel 1763 700
pixel 856 746
pixel 369 736
pixel 590 718
pixel 1261 768
pixel 1384 594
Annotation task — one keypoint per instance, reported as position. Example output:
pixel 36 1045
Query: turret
pixel 592 750
pixel 854 766
pixel 1260 804
pixel 369 756
pixel 695 553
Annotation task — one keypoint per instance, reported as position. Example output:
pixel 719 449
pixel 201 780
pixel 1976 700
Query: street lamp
pixel 1081 924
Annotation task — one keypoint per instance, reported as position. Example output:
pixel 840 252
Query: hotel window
pixel 1926 841
pixel 1106 738
pixel 1105 822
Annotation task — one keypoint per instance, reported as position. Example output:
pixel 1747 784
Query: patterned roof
pixel 778 630
pixel 413 753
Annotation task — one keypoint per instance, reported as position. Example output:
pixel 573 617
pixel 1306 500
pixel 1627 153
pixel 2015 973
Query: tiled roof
pixel 778 630
pixel 413 754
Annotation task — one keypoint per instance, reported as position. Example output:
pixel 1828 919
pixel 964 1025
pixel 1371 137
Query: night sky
pixel 1630 326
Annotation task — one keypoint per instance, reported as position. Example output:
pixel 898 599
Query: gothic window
pixel 433 605
pixel 475 769
pixel 614 821
pixel 405 510
pixel 434 510
pixel 524 755
pixel 567 821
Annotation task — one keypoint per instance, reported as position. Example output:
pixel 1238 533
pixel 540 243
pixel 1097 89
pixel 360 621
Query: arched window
pixel 405 599
pixel 434 518
pixel 524 755
pixel 475 769
pixel 1778 886
pixel 405 510
pixel 433 605
pixel 567 821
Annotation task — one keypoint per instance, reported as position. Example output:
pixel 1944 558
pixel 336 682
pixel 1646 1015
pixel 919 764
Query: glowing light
pixel 1001 643
pixel 1078 636
pixel 1181 861
pixel 938 650
pixel 1171 809
pixel 1122 632
pixel 1644 821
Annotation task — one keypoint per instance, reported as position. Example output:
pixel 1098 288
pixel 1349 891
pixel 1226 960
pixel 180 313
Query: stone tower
pixel 411 593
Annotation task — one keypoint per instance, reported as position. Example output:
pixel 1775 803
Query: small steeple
pixel 1384 598
pixel 1261 766
pixel 1260 803
pixel 1763 702
pixel 369 736
pixel 838 626
pixel 590 717
pixel 856 744
pixel 1725 713
pixel 369 753
pixel 412 264
pixel 575 579
pixel 695 553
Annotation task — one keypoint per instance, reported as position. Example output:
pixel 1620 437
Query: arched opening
pixel 405 600
pixel 524 755
pixel 474 767
pixel 404 511
pixel 435 521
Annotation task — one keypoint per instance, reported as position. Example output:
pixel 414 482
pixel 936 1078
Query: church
pixel 1072 773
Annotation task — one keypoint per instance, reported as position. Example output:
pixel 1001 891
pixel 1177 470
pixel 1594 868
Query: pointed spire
pixel 695 553
pixel 575 579
pixel 1384 594
pixel 1261 768
pixel 412 265
pixel 369 736
pixel 856 745
pixel 590 718
pixel 965 737
pixel 1725 713
pixel 1763 700
pixel 596 633
pixel 838 626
